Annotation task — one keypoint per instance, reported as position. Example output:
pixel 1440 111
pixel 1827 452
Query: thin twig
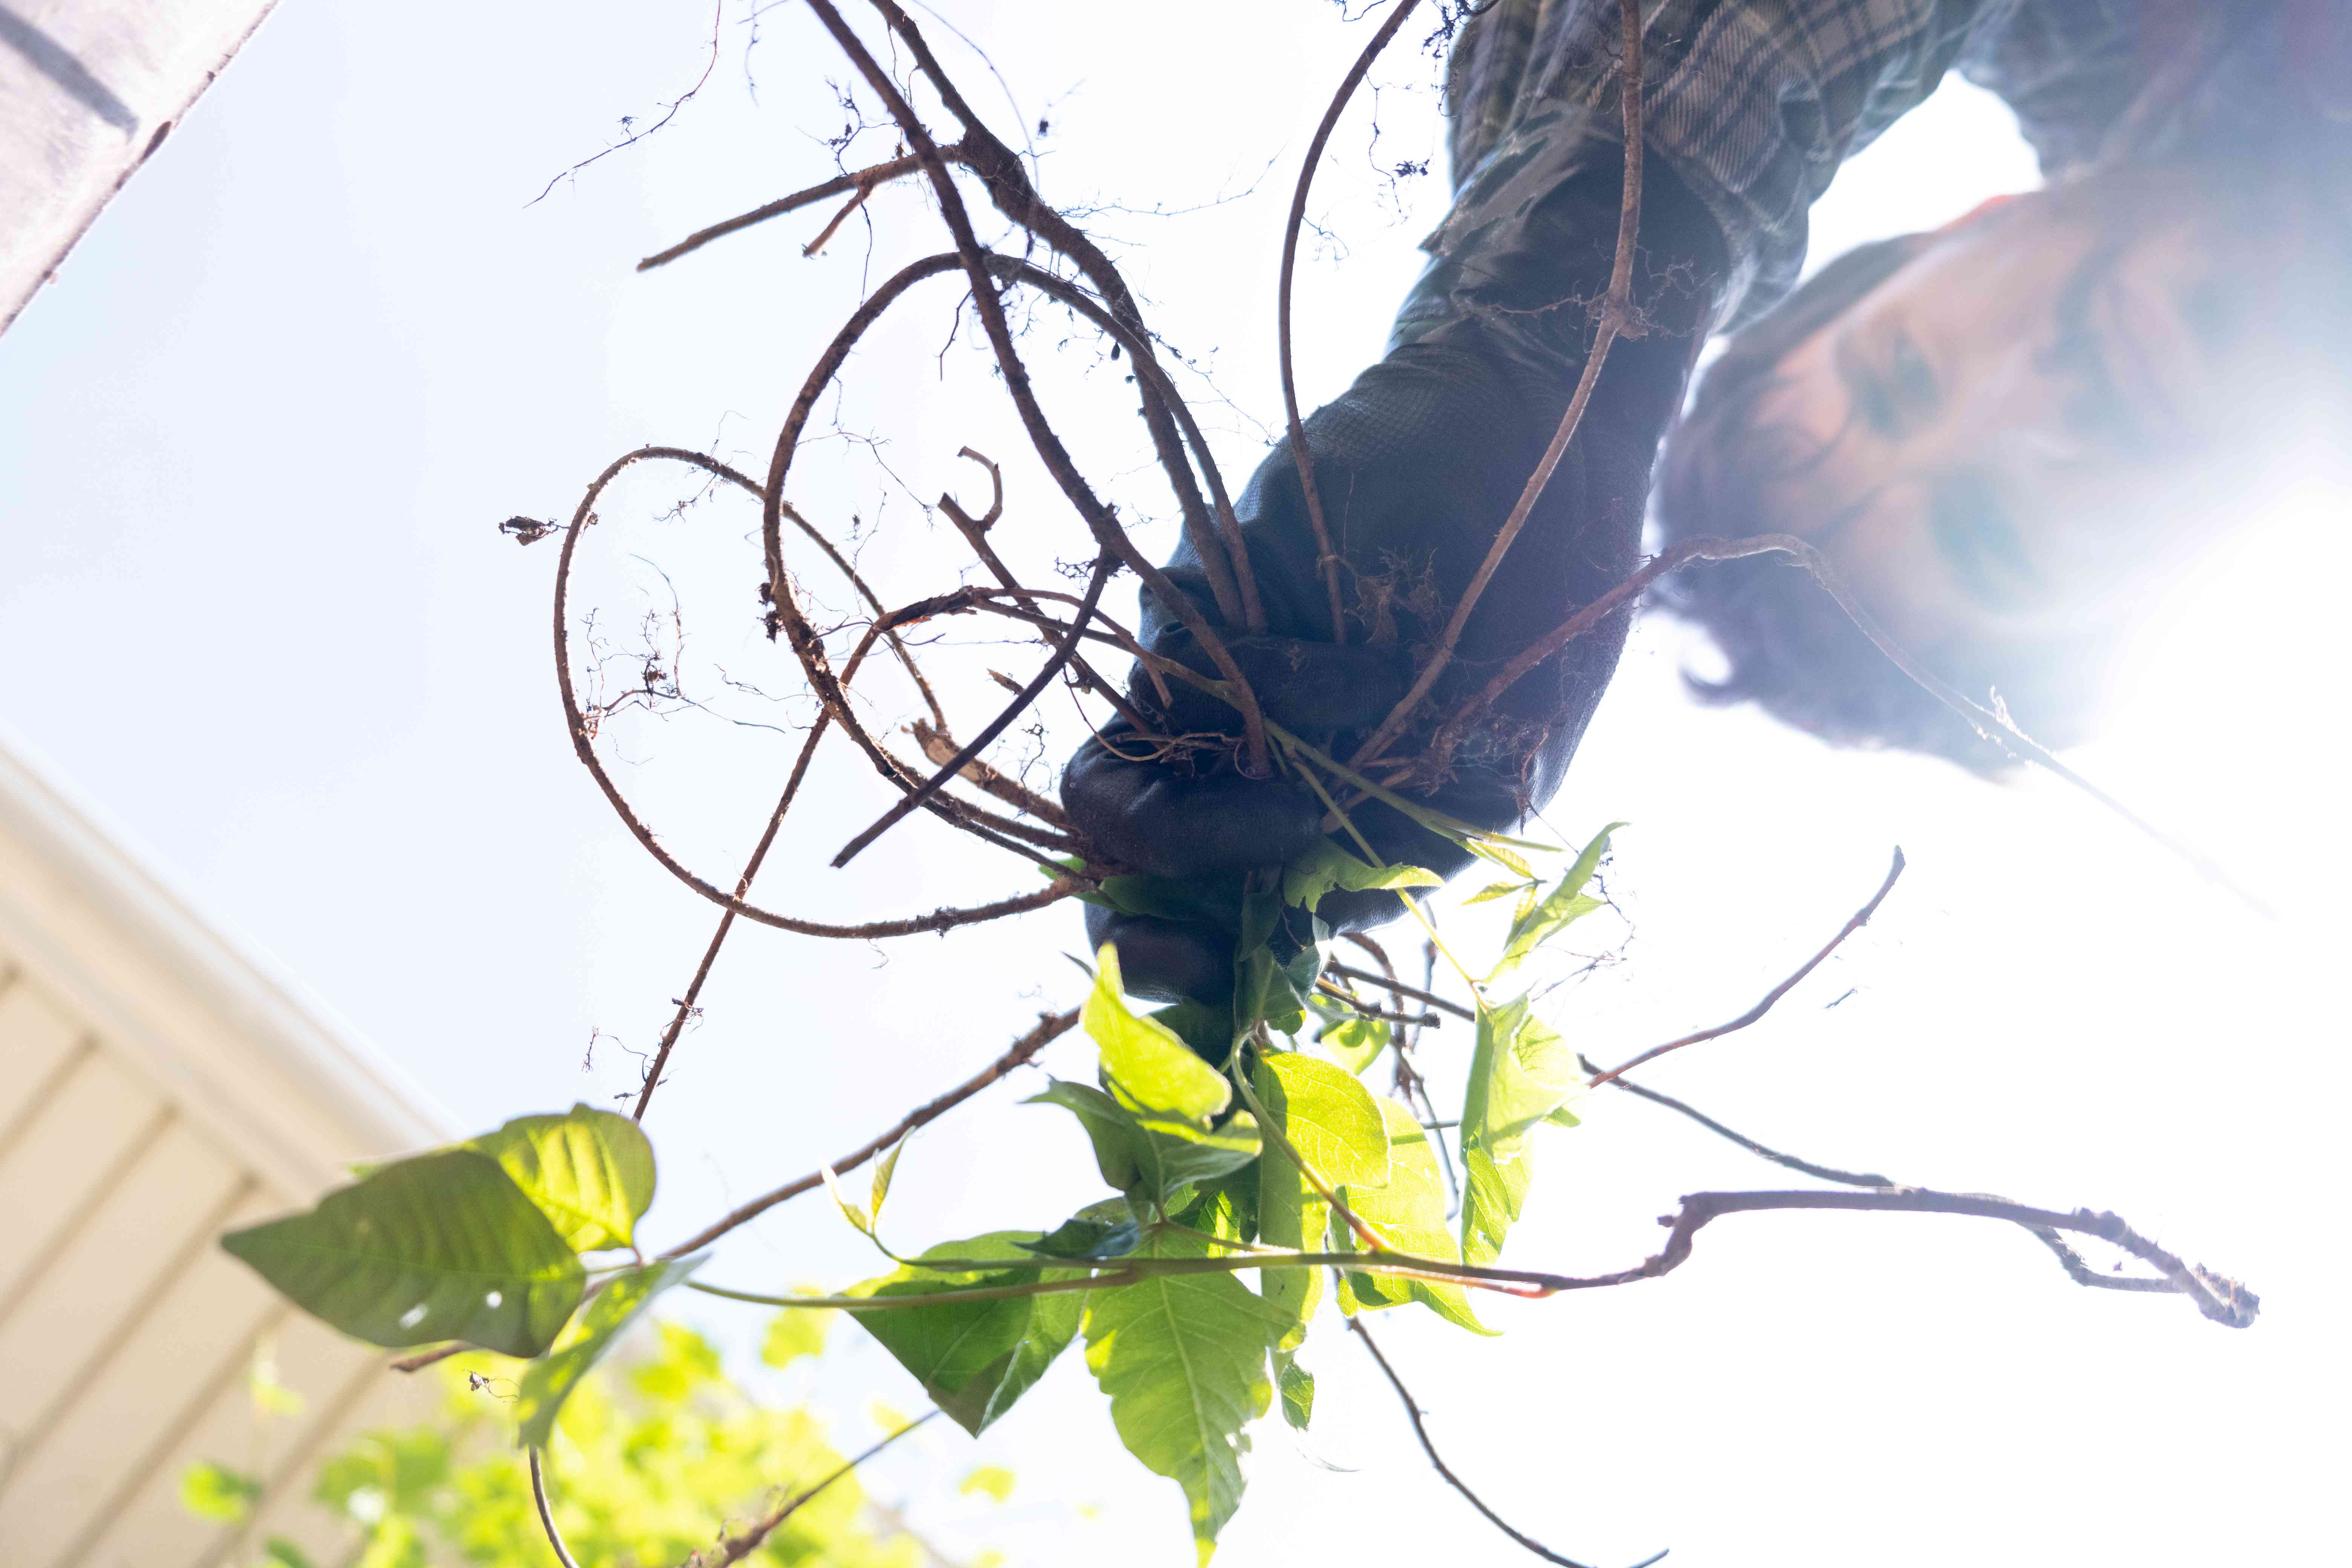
pixel 861 181
pixel 735 1548
pixel 718 16
pixel 1437 1461
pixel 1366 1010
pixel 546 1514
pixel 1761 1151
pixel 1861 918
pixel 1327 561
pixel 1618 318
pixel 1050 1027
pixel 1390 983
pixel 997 726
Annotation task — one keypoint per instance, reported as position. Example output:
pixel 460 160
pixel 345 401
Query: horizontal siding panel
pixel 57 1163
pixel 35 1037
pixel 168 1200
pixel 159 1381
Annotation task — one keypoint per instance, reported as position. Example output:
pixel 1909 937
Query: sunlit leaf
pixel 1408 1213
pixel 1325 867
pixel 991 1481
pixel 1183 1359
pixel 1157 1069
pixel 1297 1386
pixel 1151 1155
pixel 884 1169
pixel 975 1358
pixel 796 1332
pixel 1521 1076
pixel 216 1492
pixel 1562 907
pixel 1338 1127
pixel 854 1212
pixel 589 1171
pixel 548 1381
pixel 1355 1042
pixel 1493 891
pixel 443 1247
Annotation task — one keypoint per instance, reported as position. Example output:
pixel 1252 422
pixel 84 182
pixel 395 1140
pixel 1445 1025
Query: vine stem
pixel 1860 919
pixel 2224 1301
pixel 1618 318
pixel 1327 561
pixel 547 1514
pixel 735 1548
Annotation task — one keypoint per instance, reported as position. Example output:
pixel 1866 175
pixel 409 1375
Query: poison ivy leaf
pixel 1225 1208
pixel 443 1247
pixel 975 1358
pixel 1326 868
pixel 1337 1126
pixel 589 1171
pixel 1146 1059
pixel 1521 1075
pixel 1183 1359
pixel 1097 1232
pixel 548 1381
pixel 1561 908
pixel 1147 1155
pixel 1408 1213
pixel 1329 1118
pixel 1297 1385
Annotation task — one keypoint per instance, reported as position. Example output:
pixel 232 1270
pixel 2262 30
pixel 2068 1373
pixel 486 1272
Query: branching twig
pixel 861 183
pixel 1050 1028
pixel 1437 1461
pixel 735 1548
pixel 1861 918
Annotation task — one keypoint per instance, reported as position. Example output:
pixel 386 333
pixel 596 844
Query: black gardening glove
pixel 1417 464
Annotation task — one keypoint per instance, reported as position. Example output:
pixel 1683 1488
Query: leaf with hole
pixel 548 1381
pixel 443 1247
pixel 975 1358
pixel 1183 1359
pixel 589 1171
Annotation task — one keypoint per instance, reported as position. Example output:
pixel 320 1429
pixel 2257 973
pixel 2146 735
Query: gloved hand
pixel 1417 464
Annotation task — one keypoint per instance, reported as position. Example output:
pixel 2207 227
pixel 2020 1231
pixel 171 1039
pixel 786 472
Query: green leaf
pixel 1521 1076
pixel 1561 908
pixel 992 1481
pixel 1147 1060
pixel 548 1381
pixel 1495 890
pixel 1408 1213
pixel 1297 1385
pixel 1264 990
pixel 283 1552
pixel 1326 868
pixel 1097 1232
pixel 1208 1030
pixel 1183 1359
pixel 1502 855
pixel 883 1170
pixel 589 1171
pixel 217 1493
pixel 854 1213
pixel 1356 1042
pixel 1149 1155
pixel 1329 1118
pixel 443 1247
pixel 796 1332
pixel 975 1358
pixel 1337 1126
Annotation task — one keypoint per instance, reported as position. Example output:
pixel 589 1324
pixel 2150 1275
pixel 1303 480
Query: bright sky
pixel 253 446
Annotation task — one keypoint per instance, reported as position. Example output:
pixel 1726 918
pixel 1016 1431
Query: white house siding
pixel 156 1087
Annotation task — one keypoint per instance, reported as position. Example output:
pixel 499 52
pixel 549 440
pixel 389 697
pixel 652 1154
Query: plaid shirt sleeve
pixel 1754 104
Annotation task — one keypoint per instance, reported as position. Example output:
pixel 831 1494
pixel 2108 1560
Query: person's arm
pixel 1418 463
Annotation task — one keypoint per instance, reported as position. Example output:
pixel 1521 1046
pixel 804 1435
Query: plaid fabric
pixel 1756 103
